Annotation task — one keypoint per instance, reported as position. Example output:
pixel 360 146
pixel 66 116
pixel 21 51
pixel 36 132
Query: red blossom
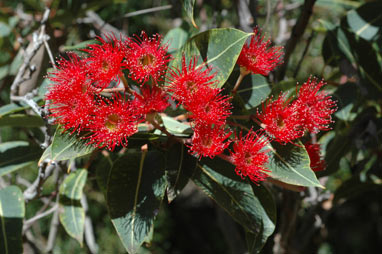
pixel 314 107
pixel 153 99
pixel 314 152
pixel 146 57
pixel 281 120
pixel 70 96
pixel 250 156
pixel 258 56
pixel 105 61
pixel 209 141
pixel 208 106
pixel 186 81
pixel 113 121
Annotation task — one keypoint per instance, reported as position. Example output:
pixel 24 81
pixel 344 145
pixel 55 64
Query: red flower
pixel 250 156
pixel 113 121
pixel 186 81
pixel 209 141
pixel 105 61
pixel 208 106
pixel 153 99
pixel 314 152
pixel 280 120
pixel 146 57
pixel 70 96
pixel 314 108
pixel 259 57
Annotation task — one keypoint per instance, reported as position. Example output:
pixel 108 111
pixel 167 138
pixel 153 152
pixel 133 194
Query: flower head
pixel 208 106
pixel 105 61
pixel 314 107
pixel 314 152
pixel 70 96
pixel 209 141
pixel 258 56
pixel 153 99
pixel 113 121
pixel 250 157
pixel 186 81
pixel 280 120
pixel 146 57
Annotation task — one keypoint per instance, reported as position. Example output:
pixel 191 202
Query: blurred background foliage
pixel 342 43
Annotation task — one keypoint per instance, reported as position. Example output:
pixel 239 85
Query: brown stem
pixel 111 90
pixel 238 82
pixel 125 83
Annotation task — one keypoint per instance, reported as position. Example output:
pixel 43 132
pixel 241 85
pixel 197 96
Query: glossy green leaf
pixel 180 166
pixel 65 147
pixel 15 155
pixel 72 214
pixel 291 164
pixel 366 21
pixel 256 92
pixel 251 206
pixel 220 48
pixel 188 6
pixel 12 212
pixel 175 39
pixel 21 120
pixel 136 187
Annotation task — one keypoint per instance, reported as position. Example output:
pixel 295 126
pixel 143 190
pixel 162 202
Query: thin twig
pixel 32 220
pixel 44 171
pixel 53 229
pixel 38 39
pixel 89 232
pixel 303 54
pixel 297 32
pixel 149 10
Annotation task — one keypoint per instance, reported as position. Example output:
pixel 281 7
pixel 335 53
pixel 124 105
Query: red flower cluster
pixel 250 156
pixel 311 111
pixel 258 57
pixel 75 98
pixel 78 102
pixel 195 88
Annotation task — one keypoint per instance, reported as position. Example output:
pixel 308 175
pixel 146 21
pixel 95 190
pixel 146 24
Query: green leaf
pixel 15 155
pixel 251 206
pixel 12 212
pixel 79 46
pixel 180 166
pixel 175 39
pixel 10 109
pixel 72 214
pixel 291 164
pixel 136 187
pixel 188 6
pixel 220 48
pixel 65 147
pixel 175 127
pixel 257 91
pixel 366 21
pixel 21 120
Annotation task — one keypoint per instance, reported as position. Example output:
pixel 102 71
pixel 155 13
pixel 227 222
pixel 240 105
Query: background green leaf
pixel 21 120
pixel 180 166
pixel 15 155
pixel 72 214
pixel 188 6
pixel 12 212
pixel 136 187
pixel 251 206
pixel 175 39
